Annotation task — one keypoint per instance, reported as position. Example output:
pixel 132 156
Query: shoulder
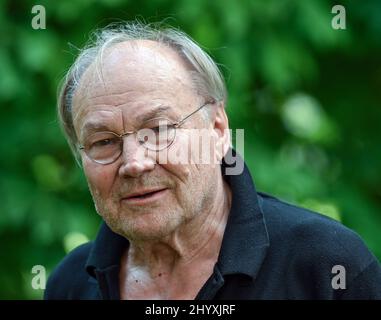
pixel 70 276
pixel 313 240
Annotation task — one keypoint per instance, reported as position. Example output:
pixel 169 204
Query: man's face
pixel 137 81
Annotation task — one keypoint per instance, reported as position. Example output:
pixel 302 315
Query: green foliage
pixel 307 96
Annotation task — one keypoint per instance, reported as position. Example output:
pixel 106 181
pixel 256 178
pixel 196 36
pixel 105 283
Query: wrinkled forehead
pixel 137 69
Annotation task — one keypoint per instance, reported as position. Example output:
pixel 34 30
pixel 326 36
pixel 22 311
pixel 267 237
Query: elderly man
pixel 184 230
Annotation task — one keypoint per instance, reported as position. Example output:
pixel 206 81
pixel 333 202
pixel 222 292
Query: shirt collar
pixel 245 241
pixel 106 251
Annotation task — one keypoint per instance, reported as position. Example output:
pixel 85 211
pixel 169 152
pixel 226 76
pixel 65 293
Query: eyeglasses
pixel 156 134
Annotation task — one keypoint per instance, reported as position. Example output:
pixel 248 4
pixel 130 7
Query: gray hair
pixel 206 75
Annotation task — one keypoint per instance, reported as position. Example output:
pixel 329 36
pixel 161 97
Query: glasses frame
pixel 176 125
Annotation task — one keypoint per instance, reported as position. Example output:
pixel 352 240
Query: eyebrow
pixel 95 126
pixel 161 110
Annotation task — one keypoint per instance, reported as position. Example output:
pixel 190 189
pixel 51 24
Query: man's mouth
pixel 144 196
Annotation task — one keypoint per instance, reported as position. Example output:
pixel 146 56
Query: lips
pixel 143 193
pixel 144 196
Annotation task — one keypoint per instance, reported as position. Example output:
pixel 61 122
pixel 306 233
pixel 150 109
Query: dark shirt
pixel 270 250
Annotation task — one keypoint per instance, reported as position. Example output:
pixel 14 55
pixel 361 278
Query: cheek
pixel 100 178
pixel 182 173
pixel 196 146
pixel 187 161
pixel 175 161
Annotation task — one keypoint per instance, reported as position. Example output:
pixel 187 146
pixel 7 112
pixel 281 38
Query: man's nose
pixel 135 158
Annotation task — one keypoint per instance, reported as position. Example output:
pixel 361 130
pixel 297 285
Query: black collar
pixel 244 244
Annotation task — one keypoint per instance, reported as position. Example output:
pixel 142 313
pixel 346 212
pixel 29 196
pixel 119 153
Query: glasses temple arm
pixel 179 123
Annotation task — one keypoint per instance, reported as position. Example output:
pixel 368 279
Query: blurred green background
pixel 308 97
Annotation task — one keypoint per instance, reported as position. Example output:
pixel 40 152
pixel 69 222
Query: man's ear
pixel 220 124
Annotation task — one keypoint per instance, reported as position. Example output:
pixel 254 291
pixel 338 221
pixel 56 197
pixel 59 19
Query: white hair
pixel 205 73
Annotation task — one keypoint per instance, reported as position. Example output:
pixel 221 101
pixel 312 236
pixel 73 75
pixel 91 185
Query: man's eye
pixel 162 128
pixel 104 143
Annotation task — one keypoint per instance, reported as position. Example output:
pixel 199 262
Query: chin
pixel 145 227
